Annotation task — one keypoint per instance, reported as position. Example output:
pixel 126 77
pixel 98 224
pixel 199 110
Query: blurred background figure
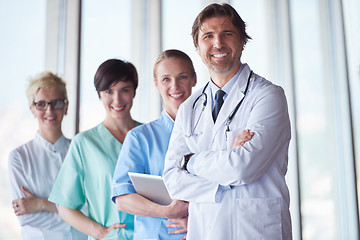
pixel 33 167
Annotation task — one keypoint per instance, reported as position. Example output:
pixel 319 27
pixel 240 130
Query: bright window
pixel 106 33
pixel 22 47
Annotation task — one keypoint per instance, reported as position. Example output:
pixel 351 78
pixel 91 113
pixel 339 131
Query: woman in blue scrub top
pixel 86 174
pixel 144 151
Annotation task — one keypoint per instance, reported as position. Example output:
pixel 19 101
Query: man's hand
pixel 243 137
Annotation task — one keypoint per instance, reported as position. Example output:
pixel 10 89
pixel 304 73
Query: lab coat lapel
pixel 203 121
pixel 235 96
pixel 209 124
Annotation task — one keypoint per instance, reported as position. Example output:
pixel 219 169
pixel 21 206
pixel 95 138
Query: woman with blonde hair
pixel 34 166
pixel 144 151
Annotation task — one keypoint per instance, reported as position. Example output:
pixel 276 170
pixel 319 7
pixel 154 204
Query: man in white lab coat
pixel 234 193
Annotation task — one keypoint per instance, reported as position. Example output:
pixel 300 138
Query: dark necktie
pixel 218 103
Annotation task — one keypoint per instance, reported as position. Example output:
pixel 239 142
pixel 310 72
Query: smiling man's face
pixel 220 45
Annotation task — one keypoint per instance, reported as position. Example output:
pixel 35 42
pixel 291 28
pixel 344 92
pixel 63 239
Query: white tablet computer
pixel 150 186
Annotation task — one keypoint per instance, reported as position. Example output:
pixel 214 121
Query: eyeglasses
pixel 55 104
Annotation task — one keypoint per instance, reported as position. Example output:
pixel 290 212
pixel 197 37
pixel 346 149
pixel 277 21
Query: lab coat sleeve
pixel 17 178
pixel 180 184
pixel 269 120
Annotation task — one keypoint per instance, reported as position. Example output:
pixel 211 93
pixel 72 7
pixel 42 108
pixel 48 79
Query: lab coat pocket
pixel 230 137
pixel 258 218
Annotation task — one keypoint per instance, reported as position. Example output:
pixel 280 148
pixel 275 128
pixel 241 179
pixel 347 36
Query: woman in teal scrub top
pixel 86 174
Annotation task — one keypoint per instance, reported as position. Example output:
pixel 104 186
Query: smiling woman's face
pixel 118 100
pixel 49 119
pixel 174 80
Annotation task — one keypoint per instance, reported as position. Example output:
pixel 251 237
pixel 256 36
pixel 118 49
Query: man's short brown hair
pixel 215 10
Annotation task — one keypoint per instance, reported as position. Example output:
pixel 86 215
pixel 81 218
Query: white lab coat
pixel 234 194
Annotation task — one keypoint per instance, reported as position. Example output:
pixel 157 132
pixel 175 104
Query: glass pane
pixel 256 14
pixel 106 33
pixel 177 21
pixel 352 24
pixel 315 124
pixel 22 47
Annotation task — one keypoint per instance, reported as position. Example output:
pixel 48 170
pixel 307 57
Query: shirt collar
pixel 227 87
pixel 56 147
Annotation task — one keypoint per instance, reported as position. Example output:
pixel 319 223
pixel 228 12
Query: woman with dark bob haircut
pixel 86 175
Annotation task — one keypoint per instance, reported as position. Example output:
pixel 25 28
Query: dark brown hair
pixel 215 10
pixel 113 71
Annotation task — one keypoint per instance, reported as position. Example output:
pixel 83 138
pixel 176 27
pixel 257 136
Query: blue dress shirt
pixel 226 88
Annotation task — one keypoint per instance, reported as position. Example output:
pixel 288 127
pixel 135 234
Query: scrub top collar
pixel 106 134
pixel 109 141
pixel 168 121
